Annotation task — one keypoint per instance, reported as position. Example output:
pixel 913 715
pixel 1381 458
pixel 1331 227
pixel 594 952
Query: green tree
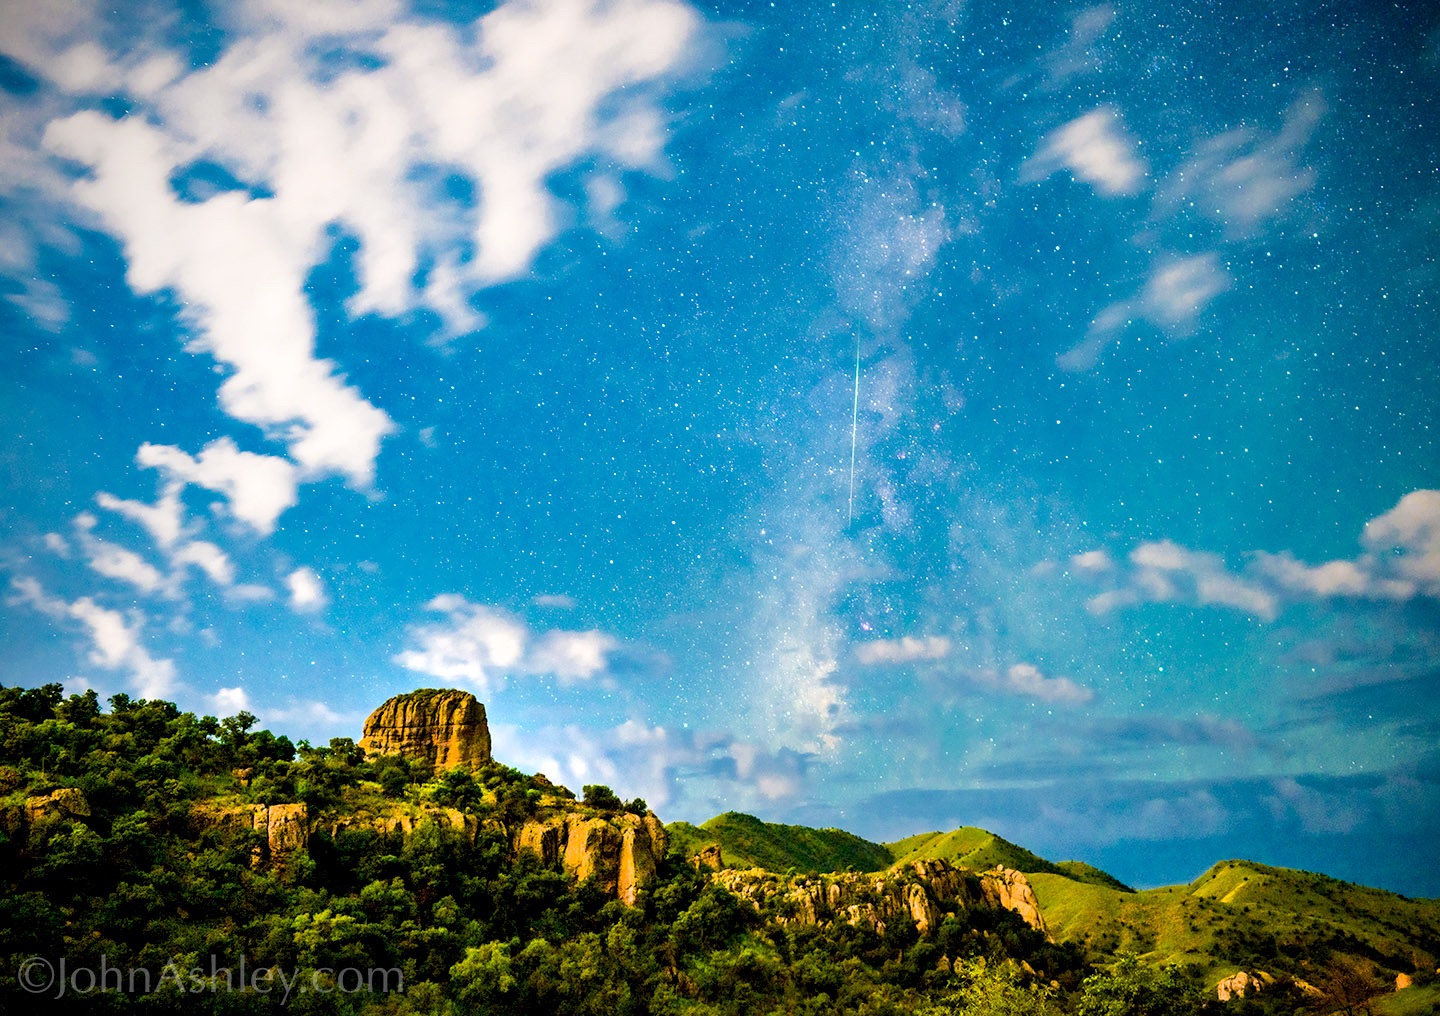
pixel 1131 988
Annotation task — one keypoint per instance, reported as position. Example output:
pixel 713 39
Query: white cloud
pixel 207 557
pixel 1025 679
pixel 1401 560
pixel 1175 293
pixel 1093 561
pixel 1165 572
pixel 1096 149
pixel 559 600
pixel 163 520
pixel 229 701
pixel 571 655
pixel 481 646
pixel 307 592
pixel 259 487
pixel 711 772
pixel 1404 543
pixel 114 639
pixel 116 562
pixel 903 650
pixel 528 89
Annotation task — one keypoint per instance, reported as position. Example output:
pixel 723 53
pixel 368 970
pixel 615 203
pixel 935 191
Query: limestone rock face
pixel 621 852
pixel 918 891
pixel 441 728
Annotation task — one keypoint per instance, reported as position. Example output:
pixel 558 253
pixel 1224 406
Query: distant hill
pixel 747 842
pixel 1240 915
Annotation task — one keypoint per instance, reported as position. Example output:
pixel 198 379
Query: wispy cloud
pixel 1173 297
pixel 1027 680
pixel 1241 178
pixel 114 638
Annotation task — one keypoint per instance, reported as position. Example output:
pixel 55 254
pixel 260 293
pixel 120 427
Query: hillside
pixel 1240 915
pixel 142 833
pixel 747 842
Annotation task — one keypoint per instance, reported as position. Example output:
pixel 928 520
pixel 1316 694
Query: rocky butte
pixel 442 728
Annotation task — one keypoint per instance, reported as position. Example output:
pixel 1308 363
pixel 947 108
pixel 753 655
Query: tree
pixel 1348 986
pixel 1131 988
pixel 597 795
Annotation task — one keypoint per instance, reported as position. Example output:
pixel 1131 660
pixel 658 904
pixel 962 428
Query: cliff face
pixel 441 728
pixel 921 891
pixel 621 851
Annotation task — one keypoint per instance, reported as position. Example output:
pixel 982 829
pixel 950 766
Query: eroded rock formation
pixel 441 728
pixel 622 852
pixel 921 891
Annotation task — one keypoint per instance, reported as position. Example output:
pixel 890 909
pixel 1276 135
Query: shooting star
pixel 854 430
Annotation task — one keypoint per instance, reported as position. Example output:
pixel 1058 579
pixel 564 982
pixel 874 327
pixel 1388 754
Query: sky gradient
pixel 349 348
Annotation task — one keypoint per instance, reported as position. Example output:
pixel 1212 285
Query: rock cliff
pixel 922 891
pixel 441 728
pixel 621 852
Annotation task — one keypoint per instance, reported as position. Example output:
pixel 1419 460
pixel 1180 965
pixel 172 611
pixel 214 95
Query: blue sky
pixel 350 348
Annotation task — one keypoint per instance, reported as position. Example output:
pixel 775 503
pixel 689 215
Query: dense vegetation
pixel 106 868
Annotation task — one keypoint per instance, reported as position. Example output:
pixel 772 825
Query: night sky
pixel 892 417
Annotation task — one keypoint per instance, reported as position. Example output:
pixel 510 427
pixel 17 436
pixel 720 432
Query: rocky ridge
pixel 921 891
pixel 441 728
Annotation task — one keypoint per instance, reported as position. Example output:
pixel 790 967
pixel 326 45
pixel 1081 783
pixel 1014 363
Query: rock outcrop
pixel 1243 983
pixel 1008 888
pixel 441 728
pixel 621 852
pixel 921 891
pixel 285 827
pixel 67 802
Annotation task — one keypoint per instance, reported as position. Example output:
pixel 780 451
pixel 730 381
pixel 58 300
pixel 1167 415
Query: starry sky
pixel 891 416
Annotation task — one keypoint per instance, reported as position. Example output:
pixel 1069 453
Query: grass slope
pixel 975 848
pixel 747 842
pixel 1242 915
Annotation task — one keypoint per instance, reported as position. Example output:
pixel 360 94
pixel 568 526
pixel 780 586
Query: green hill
pixel 969 847
pixel 747 842
pixel 1240 915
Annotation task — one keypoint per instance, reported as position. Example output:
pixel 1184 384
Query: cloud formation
pixel 902 650
pixel 482 646
pixel 1096 150
pixel 1174 295
pixel 226 191
pixel 1400 561
pixel 114 638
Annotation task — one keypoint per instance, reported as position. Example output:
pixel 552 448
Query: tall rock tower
pixel 443 728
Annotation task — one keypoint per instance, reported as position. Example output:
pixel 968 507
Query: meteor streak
pixel 854 429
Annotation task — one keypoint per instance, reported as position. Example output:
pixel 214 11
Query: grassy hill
pixel 747 842
pixel 1242 915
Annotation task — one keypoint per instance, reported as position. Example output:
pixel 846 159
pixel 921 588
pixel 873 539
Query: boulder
pixel 439 728
pixel 1243 983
